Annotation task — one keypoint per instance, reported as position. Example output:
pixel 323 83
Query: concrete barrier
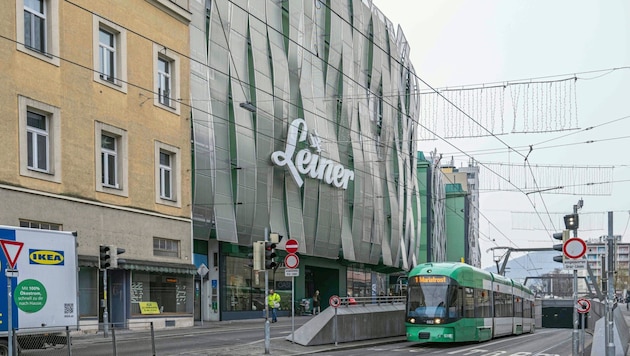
pixel 353 323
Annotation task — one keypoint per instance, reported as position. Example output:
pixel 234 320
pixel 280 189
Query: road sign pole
pixel 293 310
pixel 335 327
pixel 10 314
pixel 267 327
pixel 582 335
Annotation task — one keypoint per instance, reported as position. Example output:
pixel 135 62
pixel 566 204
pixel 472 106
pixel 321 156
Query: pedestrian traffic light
pixel 115 251
pixel 257 257
pixel 564 236
pixel 270 254
pixel 105 257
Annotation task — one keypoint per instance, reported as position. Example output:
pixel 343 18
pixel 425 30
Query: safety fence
pixel 100 341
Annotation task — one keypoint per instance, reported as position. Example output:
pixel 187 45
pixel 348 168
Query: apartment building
pixel 95 138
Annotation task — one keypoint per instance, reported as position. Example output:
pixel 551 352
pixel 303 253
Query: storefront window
pixel 363 283
pixel 172 292
pixel 88 292
pixel 245 289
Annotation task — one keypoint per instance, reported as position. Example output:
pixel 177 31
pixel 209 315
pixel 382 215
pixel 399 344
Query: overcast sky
pixel 460 43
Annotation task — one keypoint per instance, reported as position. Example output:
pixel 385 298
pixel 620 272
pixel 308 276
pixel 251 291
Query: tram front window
pixel 427 300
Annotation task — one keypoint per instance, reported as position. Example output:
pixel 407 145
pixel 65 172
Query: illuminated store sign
pixel 307 162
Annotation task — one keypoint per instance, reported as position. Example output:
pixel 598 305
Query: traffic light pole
pixel 105 315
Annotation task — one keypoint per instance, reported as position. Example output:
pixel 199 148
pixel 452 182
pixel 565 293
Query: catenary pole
pixel 610 344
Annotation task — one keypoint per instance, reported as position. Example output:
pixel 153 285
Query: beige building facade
pixel 95 138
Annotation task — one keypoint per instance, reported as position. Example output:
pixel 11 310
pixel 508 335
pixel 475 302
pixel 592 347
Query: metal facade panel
pixel 321 77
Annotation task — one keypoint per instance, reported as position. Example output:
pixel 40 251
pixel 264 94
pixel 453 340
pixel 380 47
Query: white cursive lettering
pixel 308 163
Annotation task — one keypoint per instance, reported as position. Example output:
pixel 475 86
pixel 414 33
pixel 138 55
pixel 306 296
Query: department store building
pixel 304 123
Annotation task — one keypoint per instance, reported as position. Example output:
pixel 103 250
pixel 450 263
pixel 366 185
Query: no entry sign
pixel 291 246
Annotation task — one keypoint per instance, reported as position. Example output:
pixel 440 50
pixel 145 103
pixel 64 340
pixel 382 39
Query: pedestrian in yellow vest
pixel 273 300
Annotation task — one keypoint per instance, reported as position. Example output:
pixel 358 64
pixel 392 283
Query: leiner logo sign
pixel 306 162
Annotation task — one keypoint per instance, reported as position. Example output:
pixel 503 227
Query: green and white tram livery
pixel 456 302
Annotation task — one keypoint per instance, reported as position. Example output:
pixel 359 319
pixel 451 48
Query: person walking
pixel 316 300
pixel 273 300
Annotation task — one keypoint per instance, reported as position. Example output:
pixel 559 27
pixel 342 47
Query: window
pixel 109 161
pixel 40 225
pixel 107 55
pixel 35 25
pixel 111 169
pixel 165 247
pixel 37 29
pixel 88 292
pixel 166 180
pixel 166 83
pixel 40 148
pixel 110 54
pixel 167 174
pixel 172 292
pixel 37 141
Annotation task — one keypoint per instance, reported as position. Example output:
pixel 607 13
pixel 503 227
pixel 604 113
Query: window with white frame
pixel 40 144
pixel 109 160
pixel 167 174
pixel 166 83
pixel 165 247
pixel 35 25
pixel 110 53
pixel 37 29
pixel 111 169
pixel 107 54
pixel 37 141
pixel 31 224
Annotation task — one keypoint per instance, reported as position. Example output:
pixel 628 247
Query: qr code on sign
pixel 68 308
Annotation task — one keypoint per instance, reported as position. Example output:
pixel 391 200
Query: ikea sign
pixel 45 257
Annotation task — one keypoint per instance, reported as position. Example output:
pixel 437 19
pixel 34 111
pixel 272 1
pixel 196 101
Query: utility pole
pixel 576 330
pixel 610 338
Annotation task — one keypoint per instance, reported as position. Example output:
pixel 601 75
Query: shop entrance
pixel 326 280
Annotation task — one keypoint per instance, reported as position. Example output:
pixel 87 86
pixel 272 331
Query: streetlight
pixel 248 106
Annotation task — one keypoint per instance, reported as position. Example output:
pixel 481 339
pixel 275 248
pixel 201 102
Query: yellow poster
pixel 149 308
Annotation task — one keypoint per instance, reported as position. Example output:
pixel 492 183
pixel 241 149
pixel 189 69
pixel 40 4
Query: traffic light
pixel 114 252
pixel 257 257
pixel 564 236
pixel 571 221
pixel 105 257
pixel 270 254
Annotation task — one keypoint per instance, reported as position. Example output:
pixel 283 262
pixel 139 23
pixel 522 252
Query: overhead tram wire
pixel 289 102
pixel 452 104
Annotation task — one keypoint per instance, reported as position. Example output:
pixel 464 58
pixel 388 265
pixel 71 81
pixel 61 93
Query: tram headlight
pixel 437 321
pixel 412 320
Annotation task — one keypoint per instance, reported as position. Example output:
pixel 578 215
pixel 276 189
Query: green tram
pixel 456 302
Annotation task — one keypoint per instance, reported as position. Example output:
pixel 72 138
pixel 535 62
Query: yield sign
pixel 11 251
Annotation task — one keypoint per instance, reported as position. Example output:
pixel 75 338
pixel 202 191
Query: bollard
pixel 152 339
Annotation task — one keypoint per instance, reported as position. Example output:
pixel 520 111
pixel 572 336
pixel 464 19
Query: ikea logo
pixel 45 257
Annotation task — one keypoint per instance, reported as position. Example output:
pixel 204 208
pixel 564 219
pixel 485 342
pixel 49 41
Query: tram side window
pixel 518 306
pixel 483 303
pixel 527 309
pixel 502 305
pixel 469 303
